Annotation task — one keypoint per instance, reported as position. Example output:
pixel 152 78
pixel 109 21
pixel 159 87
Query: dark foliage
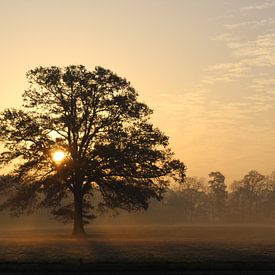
pixel 110 145
pixel 249 200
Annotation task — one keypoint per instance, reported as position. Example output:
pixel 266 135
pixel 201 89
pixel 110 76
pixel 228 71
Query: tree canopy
pixel 110 146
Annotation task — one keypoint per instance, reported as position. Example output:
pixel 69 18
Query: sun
pixel 58 156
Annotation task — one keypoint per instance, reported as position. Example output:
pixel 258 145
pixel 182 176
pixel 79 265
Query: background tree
pixel 110 147
pixel 218 195
pixel 247 195
pixel 267 198
pixel 193 199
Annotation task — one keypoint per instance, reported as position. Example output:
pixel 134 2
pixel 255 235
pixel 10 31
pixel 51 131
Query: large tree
pixel 105 140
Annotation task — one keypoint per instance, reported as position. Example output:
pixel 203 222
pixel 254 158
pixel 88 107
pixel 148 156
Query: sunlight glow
pixel 58 156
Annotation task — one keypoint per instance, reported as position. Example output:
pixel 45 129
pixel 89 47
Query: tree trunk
pixel 78 229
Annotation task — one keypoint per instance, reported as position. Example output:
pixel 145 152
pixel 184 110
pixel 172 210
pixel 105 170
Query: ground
pixel 136 248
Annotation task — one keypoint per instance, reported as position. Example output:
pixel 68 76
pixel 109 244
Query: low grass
pixel 109 248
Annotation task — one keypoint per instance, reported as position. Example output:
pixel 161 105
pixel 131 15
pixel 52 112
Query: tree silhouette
pixel 104 132
pixel 194 199
pixel 218 195
pixel 247 194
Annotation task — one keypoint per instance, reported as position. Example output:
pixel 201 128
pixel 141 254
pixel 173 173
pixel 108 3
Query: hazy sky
pixel 207 67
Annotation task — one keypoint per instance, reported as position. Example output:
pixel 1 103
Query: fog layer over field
pixel 198 201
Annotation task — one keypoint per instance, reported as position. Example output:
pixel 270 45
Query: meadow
pixel 154 247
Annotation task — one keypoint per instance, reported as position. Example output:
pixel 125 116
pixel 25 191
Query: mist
pixel 198 201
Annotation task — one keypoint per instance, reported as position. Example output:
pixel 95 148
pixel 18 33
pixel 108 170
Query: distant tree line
pixel 249 200
pixel 201 200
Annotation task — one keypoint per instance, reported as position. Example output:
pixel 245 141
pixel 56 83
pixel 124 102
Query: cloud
pixel 236 25
pixel 238 93
pixel 251 45
pixel 232 93
pixel 227 121
pixel 265 5
pixel 237 96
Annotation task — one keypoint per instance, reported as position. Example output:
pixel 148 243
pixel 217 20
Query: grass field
pixel 115 247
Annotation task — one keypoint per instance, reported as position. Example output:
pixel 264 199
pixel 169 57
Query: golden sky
pixel 207 67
